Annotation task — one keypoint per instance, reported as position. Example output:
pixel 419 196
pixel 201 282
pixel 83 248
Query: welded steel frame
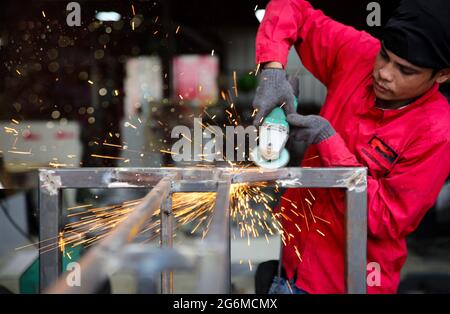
pixel 215 271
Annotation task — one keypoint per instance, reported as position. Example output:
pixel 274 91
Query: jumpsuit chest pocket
pixel 378 156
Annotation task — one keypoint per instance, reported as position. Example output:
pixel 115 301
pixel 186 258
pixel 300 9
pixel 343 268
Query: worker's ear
pixel 442 76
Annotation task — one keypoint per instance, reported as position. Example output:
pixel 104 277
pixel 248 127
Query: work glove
pixel 294 81
pixel 273 90
pixel 310 129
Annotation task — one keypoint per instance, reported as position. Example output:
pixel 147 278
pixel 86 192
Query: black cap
pixel 419 32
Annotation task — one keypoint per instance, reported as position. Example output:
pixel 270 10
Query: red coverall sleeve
pixel 397 202
pixel 326 45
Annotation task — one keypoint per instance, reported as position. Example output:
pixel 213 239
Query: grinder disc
pixel 270 164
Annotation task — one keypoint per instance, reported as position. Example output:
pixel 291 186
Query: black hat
pixel 419 31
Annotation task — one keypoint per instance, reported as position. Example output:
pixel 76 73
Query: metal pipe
pixel 50 261
pixel 356 239
pixel 167 241
pixel 303 177
pixel 100 260
pixel 215 273
pixel 184 186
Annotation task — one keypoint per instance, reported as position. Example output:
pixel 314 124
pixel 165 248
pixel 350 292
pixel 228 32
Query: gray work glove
pixel 294 81
pixel 311 129
pixel 273 90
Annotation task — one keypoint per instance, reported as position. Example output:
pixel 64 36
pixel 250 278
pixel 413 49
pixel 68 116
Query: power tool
pixel 273 135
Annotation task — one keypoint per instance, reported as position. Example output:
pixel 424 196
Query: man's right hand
pixel 273 90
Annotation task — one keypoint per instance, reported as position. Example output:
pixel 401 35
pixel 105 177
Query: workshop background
pixel 109 92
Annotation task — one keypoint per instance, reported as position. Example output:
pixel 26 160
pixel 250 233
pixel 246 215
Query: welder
pixel 383 111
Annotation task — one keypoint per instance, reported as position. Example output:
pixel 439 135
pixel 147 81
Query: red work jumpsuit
pixel 406 151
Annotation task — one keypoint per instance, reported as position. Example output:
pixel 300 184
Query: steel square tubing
pixel 51 181
pixel 205 179
pixel 354 180
pixel 215 272
pixel 166 234
pixel 94 265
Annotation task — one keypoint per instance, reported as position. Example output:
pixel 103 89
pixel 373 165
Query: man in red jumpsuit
pixel 383 111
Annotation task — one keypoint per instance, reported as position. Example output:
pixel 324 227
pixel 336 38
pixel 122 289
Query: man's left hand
pixel 311 129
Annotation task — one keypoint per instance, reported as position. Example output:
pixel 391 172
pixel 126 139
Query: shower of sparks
pixel 192 210
pixel 92 224
pixel 251 207
pixel 250 210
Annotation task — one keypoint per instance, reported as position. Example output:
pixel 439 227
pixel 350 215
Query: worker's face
pixel 395 79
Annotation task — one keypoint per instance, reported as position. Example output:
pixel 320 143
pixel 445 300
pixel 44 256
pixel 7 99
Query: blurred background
pixel 108 93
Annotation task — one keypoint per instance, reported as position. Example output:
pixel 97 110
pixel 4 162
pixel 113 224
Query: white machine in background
pixel 31 144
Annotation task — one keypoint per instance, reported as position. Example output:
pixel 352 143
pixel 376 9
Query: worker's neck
pixel 392 104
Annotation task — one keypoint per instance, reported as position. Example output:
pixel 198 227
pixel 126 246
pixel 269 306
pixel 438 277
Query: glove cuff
pixel 326 132
pixel 273 75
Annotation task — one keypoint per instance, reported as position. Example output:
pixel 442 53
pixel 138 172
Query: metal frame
pixel 215 265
